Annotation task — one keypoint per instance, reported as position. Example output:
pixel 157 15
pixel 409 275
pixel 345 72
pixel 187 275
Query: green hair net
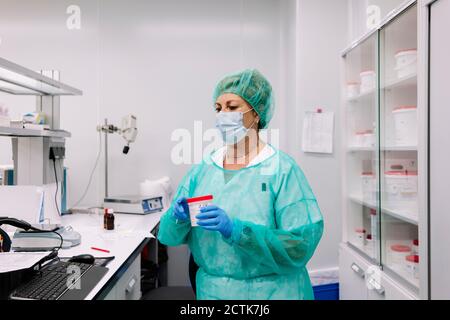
pixel 254 88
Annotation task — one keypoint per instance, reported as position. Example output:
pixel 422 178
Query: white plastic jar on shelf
pixel 412 265
pixel 352 89
pixel 368 81
pixel 368 186
pixel 401 187
pixel 398 253
pixel 364 139
pixel 370 245
pixel 415 246
pixel 360 237
pixel 405 125
pixel 406 63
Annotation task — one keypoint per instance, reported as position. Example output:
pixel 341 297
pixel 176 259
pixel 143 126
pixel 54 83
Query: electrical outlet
pixel 57 153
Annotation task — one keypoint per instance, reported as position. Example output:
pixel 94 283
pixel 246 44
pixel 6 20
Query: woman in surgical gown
pixel 264 223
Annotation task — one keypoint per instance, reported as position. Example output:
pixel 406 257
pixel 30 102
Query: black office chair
pixel 176 293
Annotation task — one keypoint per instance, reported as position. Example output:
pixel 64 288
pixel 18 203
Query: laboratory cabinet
pixel 384 181
pixel 358 281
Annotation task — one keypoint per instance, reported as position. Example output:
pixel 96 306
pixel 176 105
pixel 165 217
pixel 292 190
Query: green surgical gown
pixel 277 226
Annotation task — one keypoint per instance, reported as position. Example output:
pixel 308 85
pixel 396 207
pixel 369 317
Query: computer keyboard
pixel 59 279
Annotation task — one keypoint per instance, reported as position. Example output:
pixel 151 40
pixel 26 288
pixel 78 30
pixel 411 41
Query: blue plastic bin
pixel 326 291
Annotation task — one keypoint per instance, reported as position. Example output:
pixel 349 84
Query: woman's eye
pixel 233 107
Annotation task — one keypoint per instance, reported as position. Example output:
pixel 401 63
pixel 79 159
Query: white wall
pixel 322 35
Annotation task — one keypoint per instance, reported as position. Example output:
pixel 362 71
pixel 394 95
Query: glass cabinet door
pixel 361 126
pixel 399 146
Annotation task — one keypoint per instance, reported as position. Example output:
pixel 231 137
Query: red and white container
pixel 360 237
pixel 399 252
pixel 195 204
pixel 368 81
pixel 401 186
pixel 405 125
pixel 352 89
pixel 373 224
pixel 406 63
pixel 415 246
pixel 412 265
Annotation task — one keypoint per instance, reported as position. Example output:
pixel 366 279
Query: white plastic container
pixel 364 139
pixel 195 204
pixel 415 246
pixel 352 89
pixel 405 125
pixel 368 186
pixel 370 245
pixel 368 81
pixel 401 187
pixel 412 265
pixel 406 63
pixel 399 253
pixel 360 237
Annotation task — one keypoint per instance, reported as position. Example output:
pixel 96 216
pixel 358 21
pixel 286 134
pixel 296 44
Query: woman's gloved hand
pixel 214 218
pixel 180 209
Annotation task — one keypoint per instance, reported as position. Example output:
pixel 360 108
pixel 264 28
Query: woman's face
pixel 230 102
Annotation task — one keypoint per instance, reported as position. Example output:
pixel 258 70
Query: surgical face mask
pixel 231 126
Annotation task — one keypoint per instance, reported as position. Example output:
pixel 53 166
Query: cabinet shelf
pixel 398 214
pixel 21 132
pixel 409 81
pixel 17 80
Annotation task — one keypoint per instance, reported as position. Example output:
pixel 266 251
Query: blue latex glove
pixel 180 209
pixel 214 218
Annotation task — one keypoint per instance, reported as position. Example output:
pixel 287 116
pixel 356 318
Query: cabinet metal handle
pixel 131 284
pixel 376 286
pixel 358 270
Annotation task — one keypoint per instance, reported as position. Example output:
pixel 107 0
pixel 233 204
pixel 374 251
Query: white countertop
pixel 130 230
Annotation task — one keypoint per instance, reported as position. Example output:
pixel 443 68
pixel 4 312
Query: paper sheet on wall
pixel 318 129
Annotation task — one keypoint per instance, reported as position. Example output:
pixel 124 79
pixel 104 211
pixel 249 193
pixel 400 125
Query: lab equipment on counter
pixel 195 204
pixel 405 126
pixel 108 219
pixel 406 63
pixel 157 188
pixel 368 81
pixel 134 204
pixel 45 241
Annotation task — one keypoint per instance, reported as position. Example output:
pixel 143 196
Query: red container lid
pixel 416 242
pixel 405 108
pixel 400 248
pixel 360 230
pixel 351 83
pixel 406 50
pixel 401 173
pixel 413 258
pixel 364 72
pixel 373 212
pixel 198 199
pixel 367 173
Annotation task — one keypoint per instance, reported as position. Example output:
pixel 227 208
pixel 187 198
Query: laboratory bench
pixel 132 233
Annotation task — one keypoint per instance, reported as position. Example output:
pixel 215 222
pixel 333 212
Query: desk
pixel 131 234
